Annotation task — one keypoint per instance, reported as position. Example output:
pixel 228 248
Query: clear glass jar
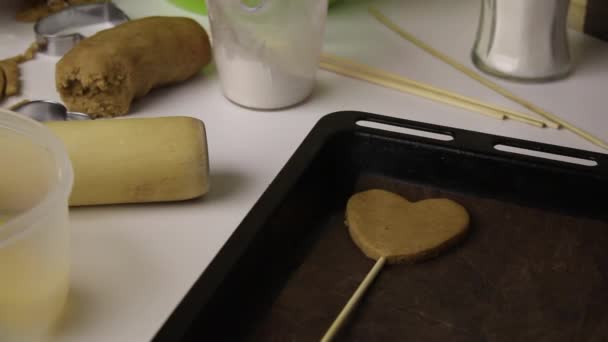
pixel 523 39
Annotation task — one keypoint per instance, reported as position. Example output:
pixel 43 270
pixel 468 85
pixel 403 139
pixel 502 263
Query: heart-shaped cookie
pixel 384 224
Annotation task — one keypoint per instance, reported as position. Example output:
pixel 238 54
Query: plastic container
pixel 194 6
pixel 199 6
pixel 35 182
pixel 267 51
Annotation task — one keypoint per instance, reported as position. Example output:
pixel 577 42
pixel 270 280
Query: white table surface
pixel 132 264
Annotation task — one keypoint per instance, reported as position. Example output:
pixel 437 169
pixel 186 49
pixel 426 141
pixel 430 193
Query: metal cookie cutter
pixel 58 32
pixel 43 110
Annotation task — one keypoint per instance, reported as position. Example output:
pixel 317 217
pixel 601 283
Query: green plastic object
pixel 196 6
pixel 199 6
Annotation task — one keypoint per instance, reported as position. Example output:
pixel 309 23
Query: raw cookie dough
pixel 29 54
pixel 10 69
pixel 102 74
pixel 2 84
pixel 384 224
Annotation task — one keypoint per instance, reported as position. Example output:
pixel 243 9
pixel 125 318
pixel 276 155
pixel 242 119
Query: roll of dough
pixel 103 73
pixel 135 160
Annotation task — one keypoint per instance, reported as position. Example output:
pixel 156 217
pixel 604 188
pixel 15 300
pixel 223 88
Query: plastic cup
pixel 199 6
pixel 267 51
pixel 35 183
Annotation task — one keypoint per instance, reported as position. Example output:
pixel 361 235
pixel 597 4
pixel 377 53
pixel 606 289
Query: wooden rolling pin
pixel 135 160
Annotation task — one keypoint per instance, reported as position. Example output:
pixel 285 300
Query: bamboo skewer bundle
pixel 488 83
pixel 360 71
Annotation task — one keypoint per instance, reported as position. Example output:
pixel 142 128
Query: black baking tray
pixel 533 268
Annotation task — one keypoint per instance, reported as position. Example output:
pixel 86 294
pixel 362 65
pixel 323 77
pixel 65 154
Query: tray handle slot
pixel 406 129
pixel 475 142
pixel 546 155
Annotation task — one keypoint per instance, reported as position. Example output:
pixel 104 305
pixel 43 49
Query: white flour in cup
pixel 266 60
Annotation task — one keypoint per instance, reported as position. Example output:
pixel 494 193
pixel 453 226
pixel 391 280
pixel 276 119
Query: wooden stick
pixel 583 134
pixel 345 71
pixel 381 73
pixel 458 66
pixel 353 301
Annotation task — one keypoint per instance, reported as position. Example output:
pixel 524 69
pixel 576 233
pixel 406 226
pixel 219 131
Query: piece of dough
pixel 2 84
pixel 11 74
pixel 384 224
pixel 29 54
pixel 9 70
pixel 102 74
pixel 38 9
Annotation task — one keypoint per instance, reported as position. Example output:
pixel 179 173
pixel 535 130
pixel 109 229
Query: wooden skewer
pixel 460 67
pixel 381 73
pixel 422 92
pixel 345 71
pixel 353 301
pixel 409 37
